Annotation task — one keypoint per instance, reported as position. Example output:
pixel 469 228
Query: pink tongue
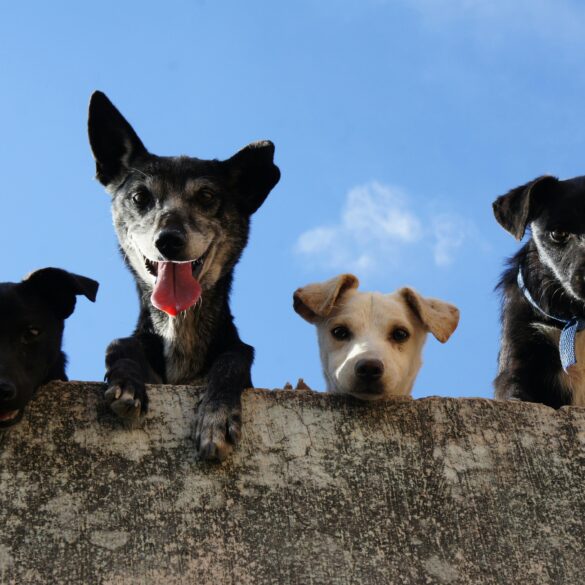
pixel 176 289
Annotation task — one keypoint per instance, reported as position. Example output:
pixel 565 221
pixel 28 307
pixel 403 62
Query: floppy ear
pixel 439 317
pixel 515 210
pixel 316 301
pixel 59 288
pixel 254 174
pixel 113 141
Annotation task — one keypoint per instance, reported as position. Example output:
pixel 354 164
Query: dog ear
pixel 113 141
pixel 439 317
pixel 316 301
pixel 517 208
pixel 59 288
pixel 254 174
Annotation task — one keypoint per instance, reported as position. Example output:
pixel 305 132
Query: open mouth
pixel 176 286
pixel 196 265
pixel 9 417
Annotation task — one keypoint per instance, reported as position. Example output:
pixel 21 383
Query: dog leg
pixel 535 383
pixel 128 369
pixel 218 419
pixel 57 371
pixel 507 388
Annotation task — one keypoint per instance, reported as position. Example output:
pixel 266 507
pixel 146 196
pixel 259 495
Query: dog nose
pixel 7 390
pixel 369 370
pixel 170 243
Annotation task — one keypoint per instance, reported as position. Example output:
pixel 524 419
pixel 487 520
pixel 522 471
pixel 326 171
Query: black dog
pixel 32 313
pixel 182 224
pixel 542 357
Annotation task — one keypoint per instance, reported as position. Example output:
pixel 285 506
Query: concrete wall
pixel 320 491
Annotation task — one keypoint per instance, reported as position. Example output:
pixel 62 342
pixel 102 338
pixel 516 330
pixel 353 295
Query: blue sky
pixel 396 124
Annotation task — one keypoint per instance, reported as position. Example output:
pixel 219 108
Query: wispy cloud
pixel 449 232
pixel 377 222
pixel 556 20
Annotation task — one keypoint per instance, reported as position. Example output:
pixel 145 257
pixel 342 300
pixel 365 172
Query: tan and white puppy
pixel 371 343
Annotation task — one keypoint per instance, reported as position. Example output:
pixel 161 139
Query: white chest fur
pixel 183 355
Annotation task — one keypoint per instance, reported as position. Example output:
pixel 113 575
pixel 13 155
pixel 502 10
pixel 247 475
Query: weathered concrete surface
pixel 321 491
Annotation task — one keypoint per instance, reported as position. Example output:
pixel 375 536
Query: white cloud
pixel 377 223
pixel 376 211
pixel 450 233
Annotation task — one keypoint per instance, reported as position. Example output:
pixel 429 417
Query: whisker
pixel 145 175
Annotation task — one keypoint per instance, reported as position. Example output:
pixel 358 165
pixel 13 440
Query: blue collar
pixel 569 332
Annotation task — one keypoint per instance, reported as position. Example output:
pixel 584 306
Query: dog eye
pixel 142 199
pixel 559 237
pixel 30 334
pixel 206 197
pixel 400 335
pixel 341 333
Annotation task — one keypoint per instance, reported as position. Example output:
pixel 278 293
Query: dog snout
pixel 170 243
pixel 369 370
pixel 7 390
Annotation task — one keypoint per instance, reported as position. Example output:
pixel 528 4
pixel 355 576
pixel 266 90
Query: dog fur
pixel 553 267
pixel 32 313
pixel 173 210
pixel 371 343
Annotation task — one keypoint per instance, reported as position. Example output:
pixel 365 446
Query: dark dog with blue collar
pixel 542 355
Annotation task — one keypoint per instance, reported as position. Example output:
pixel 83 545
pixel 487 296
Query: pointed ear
pixel 316 301
pixel 439 317
pixel 254 174
pixel 515 210
pixel 114 143
pixel 59 288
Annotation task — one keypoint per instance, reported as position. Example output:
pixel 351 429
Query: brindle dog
pixel 182 224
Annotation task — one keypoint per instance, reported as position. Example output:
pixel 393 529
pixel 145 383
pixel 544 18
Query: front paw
pixel 127 398
pixel 218 427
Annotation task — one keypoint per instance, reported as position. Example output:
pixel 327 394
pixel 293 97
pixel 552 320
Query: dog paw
pixel 127 400
pixel 218 428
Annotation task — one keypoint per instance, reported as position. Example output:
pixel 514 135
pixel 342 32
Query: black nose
pixel 170 243
pixel 7 390
pixel 369 370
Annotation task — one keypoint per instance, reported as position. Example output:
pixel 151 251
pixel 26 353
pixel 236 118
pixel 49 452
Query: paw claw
pixel 234 434
pixel 215 451
pixel 207 452
pixel 126 401
pixel 113 393
pixel 217 429
pixel 126 408
pixel 127 397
